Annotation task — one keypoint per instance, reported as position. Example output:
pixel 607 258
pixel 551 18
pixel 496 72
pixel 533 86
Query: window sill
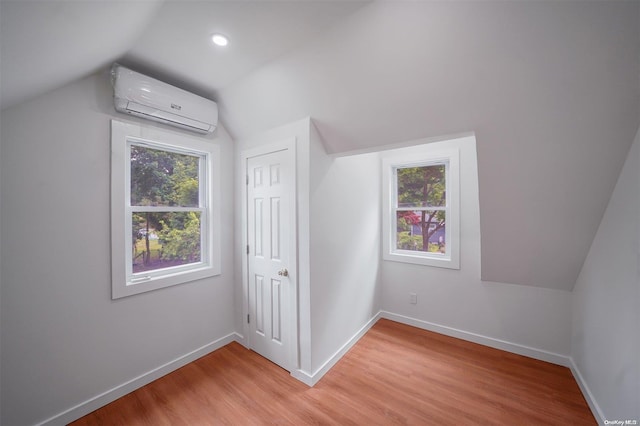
pixel 438 261
pixel 142 285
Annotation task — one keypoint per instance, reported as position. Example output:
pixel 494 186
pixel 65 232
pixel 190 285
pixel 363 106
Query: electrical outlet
pixel 413 298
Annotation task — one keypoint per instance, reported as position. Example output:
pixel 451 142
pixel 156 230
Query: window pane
pixel 162 178
pixel 421 231
pixel 162 240
pixel 421 186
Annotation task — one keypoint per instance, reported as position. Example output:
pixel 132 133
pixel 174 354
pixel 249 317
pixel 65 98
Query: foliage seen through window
pixel 421 208
pixel 164 180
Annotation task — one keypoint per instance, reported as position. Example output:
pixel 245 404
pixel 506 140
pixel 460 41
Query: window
pixel 421 208
pixel 165 209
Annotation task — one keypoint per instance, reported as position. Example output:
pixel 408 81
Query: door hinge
pixel 248 319
pixel 247 248
pixel 247 179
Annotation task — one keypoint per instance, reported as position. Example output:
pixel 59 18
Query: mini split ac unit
pixel 146 97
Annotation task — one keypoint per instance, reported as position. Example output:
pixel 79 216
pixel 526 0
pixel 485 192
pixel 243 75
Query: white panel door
pixel 268 255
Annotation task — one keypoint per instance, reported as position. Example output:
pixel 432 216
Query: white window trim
pixel 449 260
pixel 123 281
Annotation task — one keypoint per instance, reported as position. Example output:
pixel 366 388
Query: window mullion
pixel 416 209
pixel 164 209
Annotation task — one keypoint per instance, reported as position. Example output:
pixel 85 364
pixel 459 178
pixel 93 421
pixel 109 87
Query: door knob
pixel 283 272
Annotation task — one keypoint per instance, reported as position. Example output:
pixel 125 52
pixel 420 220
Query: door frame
pixel 292 304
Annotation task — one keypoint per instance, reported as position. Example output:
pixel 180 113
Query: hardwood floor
pixel 396 374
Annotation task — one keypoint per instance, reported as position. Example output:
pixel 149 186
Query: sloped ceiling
pixel 46 44
pixel 551 89
pixel 178 41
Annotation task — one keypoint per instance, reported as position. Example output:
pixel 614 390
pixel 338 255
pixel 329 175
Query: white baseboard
pixel 304 377
pixel 504 345
pixel 588 396
pixel 119 391
pixel 241 339
pixel 312 379
pixel 554 358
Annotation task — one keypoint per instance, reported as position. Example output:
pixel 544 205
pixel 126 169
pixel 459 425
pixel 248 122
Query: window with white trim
pixel 164 209
pixel 421 208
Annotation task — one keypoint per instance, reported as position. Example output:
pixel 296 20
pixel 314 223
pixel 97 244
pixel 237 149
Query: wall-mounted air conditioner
pixel 146 97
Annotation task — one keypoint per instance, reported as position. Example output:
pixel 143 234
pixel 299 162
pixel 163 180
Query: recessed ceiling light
pixel 220 40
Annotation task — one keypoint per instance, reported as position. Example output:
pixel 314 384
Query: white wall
pixel 345 248
pixel 529 320
pixel 343 281
pixel 63 339
pixel 605 344
pixel 338 243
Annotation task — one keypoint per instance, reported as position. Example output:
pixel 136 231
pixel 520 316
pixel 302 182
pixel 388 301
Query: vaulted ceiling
pixel 48 43
pixel 551 89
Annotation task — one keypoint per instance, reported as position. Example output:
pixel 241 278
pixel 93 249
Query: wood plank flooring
pixel 395 374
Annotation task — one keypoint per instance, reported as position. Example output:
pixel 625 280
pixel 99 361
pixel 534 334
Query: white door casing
pixel 270 257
